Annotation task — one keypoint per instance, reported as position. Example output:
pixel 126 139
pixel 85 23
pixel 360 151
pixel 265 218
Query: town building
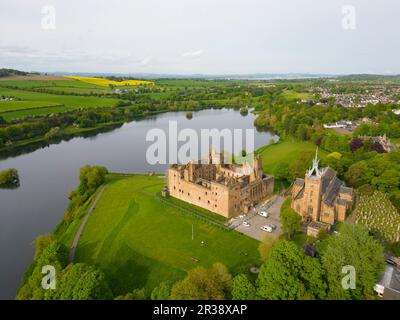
pixel 226 189
pixel 383 141
pixel 388 286
pixel 321 198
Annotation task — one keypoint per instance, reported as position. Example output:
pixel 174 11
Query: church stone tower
pixel 312 191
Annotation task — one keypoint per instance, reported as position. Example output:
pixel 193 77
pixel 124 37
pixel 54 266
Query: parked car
pixel 242 216
pixel 246 224
pixel 390 261
pixel 263 213
pixel 266 228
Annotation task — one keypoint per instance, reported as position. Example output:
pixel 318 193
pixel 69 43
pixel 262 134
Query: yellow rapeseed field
pixel 105 82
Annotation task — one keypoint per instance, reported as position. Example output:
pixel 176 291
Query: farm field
pixel 20 105
pixel 139 241
pixel 36 100
pixel 293 95
pixel 107 82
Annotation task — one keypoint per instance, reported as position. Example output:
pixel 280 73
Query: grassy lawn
pixel 285 150
pixel 138 241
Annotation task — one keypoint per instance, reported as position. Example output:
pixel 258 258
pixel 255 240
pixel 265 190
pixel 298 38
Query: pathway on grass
pixel 82 226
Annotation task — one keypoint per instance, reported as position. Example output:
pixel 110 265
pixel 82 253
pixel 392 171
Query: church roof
pixel 300 194
pixel 332 191
pixel 347 190
pixel 299 182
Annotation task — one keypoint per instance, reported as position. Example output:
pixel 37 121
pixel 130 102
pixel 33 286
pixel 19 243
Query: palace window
pixel 326 214
pixel 310 210
pixel 199 198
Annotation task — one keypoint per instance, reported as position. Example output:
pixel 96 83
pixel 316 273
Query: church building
pixel 321 197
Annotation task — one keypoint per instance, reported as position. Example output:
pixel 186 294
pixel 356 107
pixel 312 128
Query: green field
pixel 139 241
pixel 285 151
pixel 36 101
pixel 6 106
pixel 293 95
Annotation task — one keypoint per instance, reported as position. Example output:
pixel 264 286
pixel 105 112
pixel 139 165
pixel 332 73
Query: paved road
pixel 256 221
pixel 82 226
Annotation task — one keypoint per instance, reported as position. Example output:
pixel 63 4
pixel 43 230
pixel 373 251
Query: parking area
pixel 255 221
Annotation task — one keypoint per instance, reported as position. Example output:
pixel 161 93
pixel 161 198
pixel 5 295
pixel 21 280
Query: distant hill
pixel 367 77
pixel 11 72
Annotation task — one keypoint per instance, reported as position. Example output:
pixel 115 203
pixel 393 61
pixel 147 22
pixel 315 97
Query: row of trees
pixel 72 281
pixel 90 178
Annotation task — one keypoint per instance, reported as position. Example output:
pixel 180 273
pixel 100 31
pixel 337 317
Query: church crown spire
pixel 314 168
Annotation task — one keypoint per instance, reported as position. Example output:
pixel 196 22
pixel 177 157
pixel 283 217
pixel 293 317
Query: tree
pixel 9 178
pixel 204 284
pixel 376 146
pixel 395 199
pixel 53 133
pixel 359 173
pixel 291 221
pixel 189 115
pixel 55 254
pixel 162 291
pixel 91 177
pixel 137 294
pixel 242 288
pixel 354 247
pixel 289 274
pixel 356 144
pixel 388 181
pixel 80 282
pixel 282 171
pixel 41 243
pixel 301 164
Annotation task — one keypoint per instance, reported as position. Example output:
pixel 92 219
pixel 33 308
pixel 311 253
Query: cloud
pixel 146 61
pixel 192 54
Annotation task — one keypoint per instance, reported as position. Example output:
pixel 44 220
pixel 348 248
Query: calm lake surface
pixel 47 175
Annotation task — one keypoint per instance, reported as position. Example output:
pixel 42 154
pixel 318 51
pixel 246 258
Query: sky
pixel 201 36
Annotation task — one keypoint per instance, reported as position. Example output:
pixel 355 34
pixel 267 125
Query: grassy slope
pixel 138 241
pixel 287 151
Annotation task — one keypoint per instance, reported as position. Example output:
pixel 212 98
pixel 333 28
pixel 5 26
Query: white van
pixel 263 214
pixel 266 229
